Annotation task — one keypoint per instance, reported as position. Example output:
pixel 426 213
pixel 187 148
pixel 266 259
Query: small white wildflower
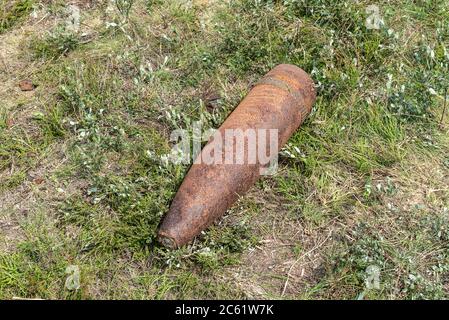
pixel 430 52
pixel 111 25
pixel 34 14
pixel 165 60
pixel 149 154
pixel 164 159
pixel 368 100
pixel 390 81
pixel 96 200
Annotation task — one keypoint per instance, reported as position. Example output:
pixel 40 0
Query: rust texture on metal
pixel 280 100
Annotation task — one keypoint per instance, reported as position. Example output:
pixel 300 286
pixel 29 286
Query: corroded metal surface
pixel 280 100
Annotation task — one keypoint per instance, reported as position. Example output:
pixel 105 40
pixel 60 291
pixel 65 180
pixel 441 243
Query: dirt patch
pixel 36 193
pixel 422 183
pixel 288 255
pixel 15 62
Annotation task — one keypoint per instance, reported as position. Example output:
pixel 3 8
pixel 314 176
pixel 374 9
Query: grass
pixel 363 183
pixel 12 12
